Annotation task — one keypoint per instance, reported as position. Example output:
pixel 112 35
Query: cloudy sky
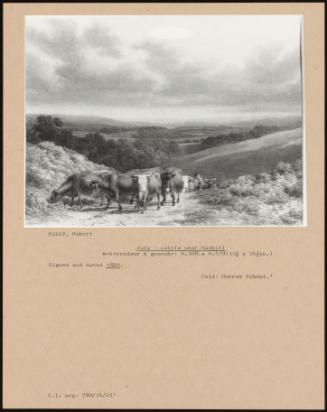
pixel 163 68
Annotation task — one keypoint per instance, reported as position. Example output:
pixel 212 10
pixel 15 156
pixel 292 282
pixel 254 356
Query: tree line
pixel 254 133
pixel 142 152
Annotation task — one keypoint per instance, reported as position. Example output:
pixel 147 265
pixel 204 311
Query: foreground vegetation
pixel 47 166
pixel 273 198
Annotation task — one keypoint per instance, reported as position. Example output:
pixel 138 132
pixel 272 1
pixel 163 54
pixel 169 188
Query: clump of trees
pixel 254 133
pixel 144 151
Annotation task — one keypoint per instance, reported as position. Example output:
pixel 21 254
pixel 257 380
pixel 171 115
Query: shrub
pixel 283 168
pixel 273 198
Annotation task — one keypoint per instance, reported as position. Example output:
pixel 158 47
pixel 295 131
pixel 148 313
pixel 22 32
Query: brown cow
pixel 115 185
pixel 75 185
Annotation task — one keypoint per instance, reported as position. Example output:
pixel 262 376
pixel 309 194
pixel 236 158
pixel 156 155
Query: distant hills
pixel 91 122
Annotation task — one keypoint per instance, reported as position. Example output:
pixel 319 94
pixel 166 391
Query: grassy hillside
pixel 47 167
pixel 274 198
pixel 248 157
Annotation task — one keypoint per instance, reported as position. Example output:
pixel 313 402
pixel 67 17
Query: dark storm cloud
pixel 67 73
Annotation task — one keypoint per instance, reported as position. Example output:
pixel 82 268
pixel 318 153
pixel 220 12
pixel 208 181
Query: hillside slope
pixel 47 167
pixel 248 157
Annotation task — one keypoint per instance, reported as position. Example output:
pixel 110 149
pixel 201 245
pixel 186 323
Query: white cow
pixel 148 185
pixel 143 182
pixel 185 183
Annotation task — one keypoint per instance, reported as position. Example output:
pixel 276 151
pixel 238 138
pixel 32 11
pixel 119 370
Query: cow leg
pixel 108 202
pixel 132 199
pixel 80 200
pixel 72 197
pixel 163 197
pixel 141 201
pixel 158 197
pixel 117 200
pixel 138 201
pixel 145 201
pixel 178 191
pixel 173 196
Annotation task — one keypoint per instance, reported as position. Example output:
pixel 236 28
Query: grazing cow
pixel 75 185
pixel 149 185
pixel 172 181
pixel 115 185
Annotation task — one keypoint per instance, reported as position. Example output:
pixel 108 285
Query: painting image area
pixel 156 120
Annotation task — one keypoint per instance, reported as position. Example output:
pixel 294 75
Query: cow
pixel 74 186
pixel 199 182
pixel 172 181
pixel 114 185
pixel 191 184
pixel 188 183
pixel 185 183
pixel 203 183
pixel 149 185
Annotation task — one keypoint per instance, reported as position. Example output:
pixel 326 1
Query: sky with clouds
pixel 163 68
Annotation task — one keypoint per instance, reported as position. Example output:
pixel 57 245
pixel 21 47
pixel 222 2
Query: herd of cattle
pixel 139 187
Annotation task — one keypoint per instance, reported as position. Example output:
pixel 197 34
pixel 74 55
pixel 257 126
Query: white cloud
pixel 166 64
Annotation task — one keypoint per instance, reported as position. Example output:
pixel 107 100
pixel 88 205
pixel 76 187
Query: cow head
pixel 54 197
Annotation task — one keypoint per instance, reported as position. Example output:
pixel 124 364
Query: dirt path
pixel 198 208
pixel 186 213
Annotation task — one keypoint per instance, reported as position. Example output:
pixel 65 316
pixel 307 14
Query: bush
pixel 273 198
